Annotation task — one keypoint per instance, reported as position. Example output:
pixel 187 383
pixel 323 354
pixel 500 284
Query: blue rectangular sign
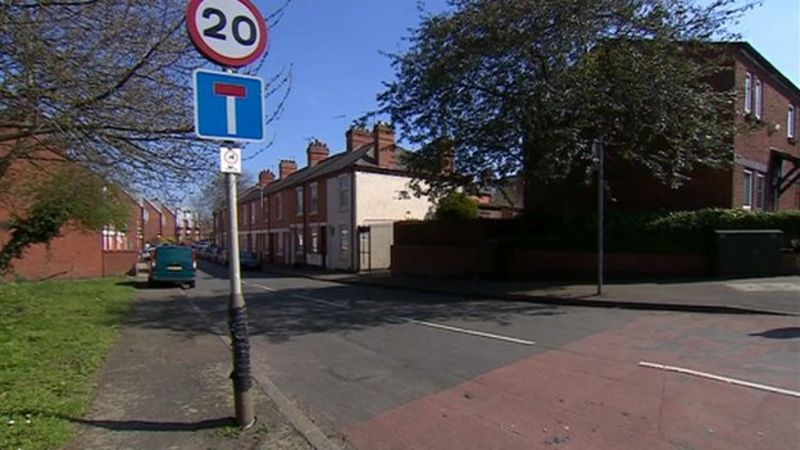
pixel 228 107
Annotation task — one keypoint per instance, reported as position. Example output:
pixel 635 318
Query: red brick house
pixel 169 223
pixel 336 212
pixel 764 174
pixel 74 253
pixel 151 222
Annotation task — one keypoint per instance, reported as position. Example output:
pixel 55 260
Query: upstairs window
pixel 344 193
pixel 313 198
pixel 791 122
pixel 264 208
pixel 748 93
pixel 252 213
pixel 278 206
pixel 758 99
pixel 299 194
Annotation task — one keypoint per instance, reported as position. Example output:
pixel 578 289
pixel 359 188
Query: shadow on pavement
pixel 285 314
pixel 779 333
pixel 144 425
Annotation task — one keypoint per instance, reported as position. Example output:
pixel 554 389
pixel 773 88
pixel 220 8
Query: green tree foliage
pixel 109 84
pixel 456 206
pixel 68 197
pixel 526 86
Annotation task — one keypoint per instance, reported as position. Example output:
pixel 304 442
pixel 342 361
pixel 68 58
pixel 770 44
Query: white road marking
pixel 470 332
pixel 266 288
pixel 765 287
pixel 428 324
pixel 711 376
pixel 319 300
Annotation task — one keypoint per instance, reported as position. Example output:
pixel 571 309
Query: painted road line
pixel 711 376
pixel 319 300
pixel 470 332
pixel 765 287
pixel 266 288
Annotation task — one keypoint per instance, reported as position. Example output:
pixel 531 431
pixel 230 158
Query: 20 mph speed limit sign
pixel 229 32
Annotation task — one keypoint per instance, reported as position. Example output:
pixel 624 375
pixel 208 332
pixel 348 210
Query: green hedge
pixel 667 232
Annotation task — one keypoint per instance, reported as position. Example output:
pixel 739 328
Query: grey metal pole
pixel 601 184
pixel 237 319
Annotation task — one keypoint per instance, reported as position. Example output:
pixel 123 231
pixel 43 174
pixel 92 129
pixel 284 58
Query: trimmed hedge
pixel 669 232
pixel 456 206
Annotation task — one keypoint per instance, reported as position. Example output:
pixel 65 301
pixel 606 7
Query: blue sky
pixel 335 48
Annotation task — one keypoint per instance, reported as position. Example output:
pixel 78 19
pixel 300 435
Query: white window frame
pixel 313 198
pixel 264 209
pixel 314 240
pixel 344 244
pixel 252 212
pixel 278 208
pixel 748 93
pixel 791 122
pixel 760 188
pixel 298 193
pixel 758 99
pixel 344 192
pixel 747 200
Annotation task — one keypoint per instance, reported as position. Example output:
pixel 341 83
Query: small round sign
pixel 231 157
pixel 229 32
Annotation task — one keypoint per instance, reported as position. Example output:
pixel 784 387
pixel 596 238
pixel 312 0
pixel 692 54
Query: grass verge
pixel 54 336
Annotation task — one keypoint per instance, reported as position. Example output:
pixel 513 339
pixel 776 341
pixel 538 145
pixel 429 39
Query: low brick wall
pixel 535 264
pixel 790 264
pixel 433 261
pixel 465 261
pixel 119 262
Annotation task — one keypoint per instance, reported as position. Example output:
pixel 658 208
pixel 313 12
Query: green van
pixel 172 263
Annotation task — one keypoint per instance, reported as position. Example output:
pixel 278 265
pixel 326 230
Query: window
pixel 344 192
pixel 345 241
pixel 278 206
pixel 252 213
pixel 748 93
pixel 791 122
pixel 264 208
pixel 748 190
pixel 314 240
pixel 313 197
pixel 761 191
pixel 758 99
pixel 279 243
pixel 298 233
pixel 299 195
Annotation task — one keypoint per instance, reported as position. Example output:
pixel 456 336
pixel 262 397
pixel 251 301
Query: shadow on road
pixel 779 333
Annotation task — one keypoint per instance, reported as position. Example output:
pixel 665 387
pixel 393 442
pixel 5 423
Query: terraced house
pixel 336 212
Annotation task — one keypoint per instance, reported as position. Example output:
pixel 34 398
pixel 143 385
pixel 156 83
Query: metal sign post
pixel 229 108
pixel 600 151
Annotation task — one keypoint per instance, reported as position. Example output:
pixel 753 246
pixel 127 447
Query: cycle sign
pixel 231 33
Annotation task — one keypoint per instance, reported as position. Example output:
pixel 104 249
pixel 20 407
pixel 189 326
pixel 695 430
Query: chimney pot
pixel 317 152
pixel 287 167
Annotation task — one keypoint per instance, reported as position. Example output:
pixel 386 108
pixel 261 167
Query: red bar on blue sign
pixel 230 90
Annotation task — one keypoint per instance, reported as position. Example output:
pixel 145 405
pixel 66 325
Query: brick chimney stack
pixel 317 151
pixel 287 167
pixel 357 137
pixel 265 177
pixel 383 139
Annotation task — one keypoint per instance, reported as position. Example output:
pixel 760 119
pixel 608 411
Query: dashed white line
pixel 266 288
pixel 711 376
pixel 319 300
pixel 470 332
pixel 428 324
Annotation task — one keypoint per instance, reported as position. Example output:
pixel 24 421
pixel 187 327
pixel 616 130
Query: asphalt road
pixel 391 369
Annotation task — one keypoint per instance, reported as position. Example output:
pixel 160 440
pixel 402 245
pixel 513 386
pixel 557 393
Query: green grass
pixel 54 336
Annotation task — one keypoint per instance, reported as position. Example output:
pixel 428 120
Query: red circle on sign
pixel 210 53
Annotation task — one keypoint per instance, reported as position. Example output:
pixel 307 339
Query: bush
pixel 651 232
pixel 456 206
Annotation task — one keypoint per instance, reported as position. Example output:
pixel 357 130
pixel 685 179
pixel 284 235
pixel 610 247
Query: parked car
pixel 249 261
pixel 172 263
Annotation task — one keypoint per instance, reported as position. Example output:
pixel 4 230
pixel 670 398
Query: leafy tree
pixel 212 195
pixel 104 86
pixel 526 87
pixel 68 197
pixel 108 83
pixel 456 206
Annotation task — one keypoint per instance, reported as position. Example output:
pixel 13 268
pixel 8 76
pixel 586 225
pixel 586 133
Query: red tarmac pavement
pixel 592 394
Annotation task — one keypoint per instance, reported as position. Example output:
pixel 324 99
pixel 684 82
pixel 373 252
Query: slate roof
pixel 362 157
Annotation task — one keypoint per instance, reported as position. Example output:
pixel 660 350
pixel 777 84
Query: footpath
pixel 165 385
pixel 775 295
